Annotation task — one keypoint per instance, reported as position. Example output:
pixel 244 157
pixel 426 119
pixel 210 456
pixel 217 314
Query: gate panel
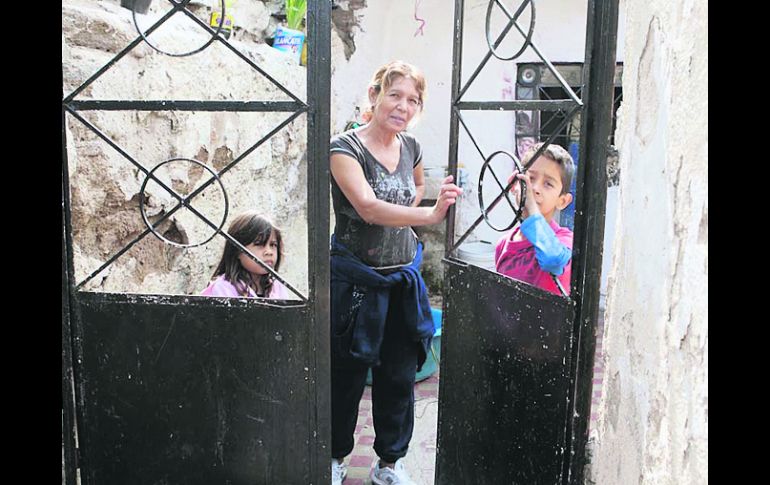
pixel 517 361
pixel 504 380
pixel 178 392
pixel 173 389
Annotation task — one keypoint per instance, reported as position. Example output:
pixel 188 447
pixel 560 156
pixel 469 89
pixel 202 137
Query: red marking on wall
pixel 420 30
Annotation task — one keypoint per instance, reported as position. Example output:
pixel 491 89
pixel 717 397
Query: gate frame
pixel 596 126
pixel 590 208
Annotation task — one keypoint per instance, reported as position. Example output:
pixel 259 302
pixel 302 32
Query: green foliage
pixel 295 13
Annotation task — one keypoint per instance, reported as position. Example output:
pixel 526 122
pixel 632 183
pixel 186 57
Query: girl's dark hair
pixel 247 228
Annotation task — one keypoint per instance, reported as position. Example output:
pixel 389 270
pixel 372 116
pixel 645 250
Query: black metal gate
pixel 164 389
pixel 517 362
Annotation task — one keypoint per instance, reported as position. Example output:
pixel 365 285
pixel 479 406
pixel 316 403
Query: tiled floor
pixel 421 459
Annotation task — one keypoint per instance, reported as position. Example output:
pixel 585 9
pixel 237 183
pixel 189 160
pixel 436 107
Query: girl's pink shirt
pixel 221 287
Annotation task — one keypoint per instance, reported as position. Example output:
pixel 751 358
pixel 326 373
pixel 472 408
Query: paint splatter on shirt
pixel 377 245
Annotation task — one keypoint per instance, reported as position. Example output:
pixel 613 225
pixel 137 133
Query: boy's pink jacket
pixel 221 287
pixel 518 260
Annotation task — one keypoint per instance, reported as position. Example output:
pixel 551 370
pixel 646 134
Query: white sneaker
pixel 339 471
pixel 390 476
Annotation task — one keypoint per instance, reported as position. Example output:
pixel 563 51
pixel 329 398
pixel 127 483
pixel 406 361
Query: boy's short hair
pixel 559 155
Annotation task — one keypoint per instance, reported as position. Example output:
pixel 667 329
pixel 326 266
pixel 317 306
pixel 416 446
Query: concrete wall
pixel 653 420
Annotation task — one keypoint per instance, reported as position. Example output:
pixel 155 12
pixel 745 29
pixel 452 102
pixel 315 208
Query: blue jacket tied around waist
pixel 358 329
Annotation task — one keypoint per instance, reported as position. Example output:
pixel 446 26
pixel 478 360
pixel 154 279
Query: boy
pixel 539 247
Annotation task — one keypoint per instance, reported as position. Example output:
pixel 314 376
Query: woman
pixel 380 314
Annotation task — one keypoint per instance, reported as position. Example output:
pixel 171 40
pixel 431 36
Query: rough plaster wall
pixel 345 21
pixel 105 187
pixel 653 425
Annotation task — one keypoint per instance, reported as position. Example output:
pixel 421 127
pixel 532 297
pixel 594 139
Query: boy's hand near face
pixel 530 205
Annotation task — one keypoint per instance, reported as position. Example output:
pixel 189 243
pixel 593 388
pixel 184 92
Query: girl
pixel 237 275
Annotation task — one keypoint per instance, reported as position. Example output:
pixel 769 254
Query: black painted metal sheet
pixel 193 390
pixel 503 402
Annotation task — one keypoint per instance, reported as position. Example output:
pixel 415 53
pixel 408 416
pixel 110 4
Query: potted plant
pixel 295 13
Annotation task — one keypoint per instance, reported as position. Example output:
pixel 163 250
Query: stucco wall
pixel 653 420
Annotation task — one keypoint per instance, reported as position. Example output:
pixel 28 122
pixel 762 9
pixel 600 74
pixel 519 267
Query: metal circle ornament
pixel 151 227
pixel 182 4
pixel 522 197
pixel 527 39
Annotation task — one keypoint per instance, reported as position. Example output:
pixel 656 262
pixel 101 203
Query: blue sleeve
pixel 551 254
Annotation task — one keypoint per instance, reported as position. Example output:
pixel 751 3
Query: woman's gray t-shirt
pixel 377 246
